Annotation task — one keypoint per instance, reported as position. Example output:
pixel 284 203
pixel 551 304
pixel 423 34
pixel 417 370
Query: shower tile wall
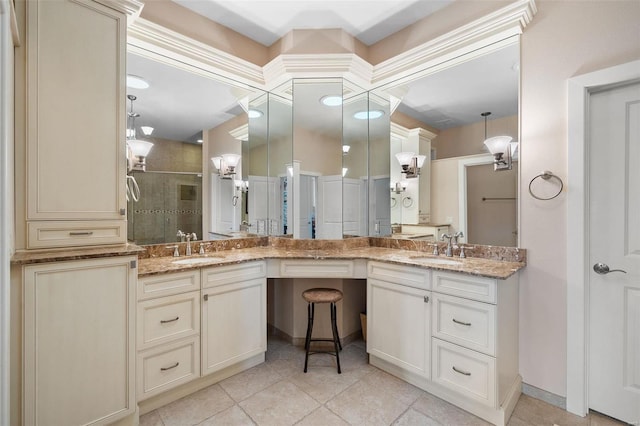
pixel 168 202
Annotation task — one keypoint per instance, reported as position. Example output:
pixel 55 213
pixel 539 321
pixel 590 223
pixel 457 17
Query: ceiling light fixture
pixel 254 113
pixel 147 130
pixel 500 147
pixel 331 100
pixel 139 148
pixel 136 82
pixel 368 115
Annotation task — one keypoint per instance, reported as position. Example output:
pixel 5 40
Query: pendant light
pixel 139 148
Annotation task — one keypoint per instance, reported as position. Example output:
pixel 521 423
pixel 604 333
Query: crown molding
pixel 490 32
pixel 347 65
pixel 147 36
pixel 131 8
pixel 240 133
pixel 402 132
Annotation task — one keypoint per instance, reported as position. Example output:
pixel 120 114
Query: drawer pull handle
pixel 169 368
pixel 171 320
pixel 468 324
pixel 465 373
pixel 77 233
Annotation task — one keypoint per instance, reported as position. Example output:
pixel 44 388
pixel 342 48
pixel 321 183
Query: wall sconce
pixel 411 163
pixel 226 164
pixel 501 147
pixel 139 148
pixel 242 185
pixel 345 149
pixel 399 187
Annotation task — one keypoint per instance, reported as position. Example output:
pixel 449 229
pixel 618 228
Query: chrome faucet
pixel 457 235
pixel 449 251
pixel 181 235
pixel 244 226
pixel 189 238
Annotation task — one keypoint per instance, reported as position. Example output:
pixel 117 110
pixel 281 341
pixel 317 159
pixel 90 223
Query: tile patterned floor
pixel 278 393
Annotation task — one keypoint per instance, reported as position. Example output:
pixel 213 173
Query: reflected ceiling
pixel 179 104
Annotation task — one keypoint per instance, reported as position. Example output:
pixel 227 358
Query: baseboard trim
pixel 543 395
pixel 299 341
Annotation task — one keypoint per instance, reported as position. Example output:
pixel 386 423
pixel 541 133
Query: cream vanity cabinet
pixel 168 331
pixel 461 345
pixel 79 340
pixel 399 317
pixel 234 314
pixel 75 122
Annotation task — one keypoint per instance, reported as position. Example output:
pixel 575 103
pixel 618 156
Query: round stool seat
pixel 322 295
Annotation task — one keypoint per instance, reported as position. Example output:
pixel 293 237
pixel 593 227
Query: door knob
pixel 603 269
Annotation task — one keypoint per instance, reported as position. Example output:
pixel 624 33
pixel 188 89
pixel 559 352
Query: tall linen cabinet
pixel 78 306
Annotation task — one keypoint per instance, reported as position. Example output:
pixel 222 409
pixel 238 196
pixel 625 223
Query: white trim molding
pixel 463 163
pixel 579 89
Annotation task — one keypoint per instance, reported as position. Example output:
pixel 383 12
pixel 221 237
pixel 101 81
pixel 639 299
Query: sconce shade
pixel 140 148
pixel 147 130
pixel 498 144
pixel 231 160
pixel 404 158
pixel 217 162
pixel 420 159
pixel 345 149
pixel 344 171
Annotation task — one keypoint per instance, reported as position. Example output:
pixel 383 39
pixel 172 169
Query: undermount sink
pixel 436 260
pixel 197 260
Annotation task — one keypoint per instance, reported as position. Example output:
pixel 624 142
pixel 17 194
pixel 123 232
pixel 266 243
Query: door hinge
pixel 123 212
pixel 205 297
pixel 133 264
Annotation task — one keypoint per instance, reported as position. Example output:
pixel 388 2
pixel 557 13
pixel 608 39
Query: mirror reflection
pixel 440 117
pixel 186 115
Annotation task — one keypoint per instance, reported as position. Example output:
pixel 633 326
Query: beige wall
pixel 566 39
pixel 318 153
pixel 469 140
pixel 318 41
pixel 444 192
pixel 174 156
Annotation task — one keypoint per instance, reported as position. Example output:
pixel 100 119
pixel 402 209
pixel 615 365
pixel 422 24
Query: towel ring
pixel 546 175
pixel 394 202
pixel 407 202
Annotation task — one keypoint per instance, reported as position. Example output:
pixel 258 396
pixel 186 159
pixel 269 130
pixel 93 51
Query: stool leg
pixel 335 326
pixel 336 340
pixel 307 343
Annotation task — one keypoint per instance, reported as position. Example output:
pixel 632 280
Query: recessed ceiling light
pixel 371 115
pixel 136 82
pixel 254 113
pixel 331 100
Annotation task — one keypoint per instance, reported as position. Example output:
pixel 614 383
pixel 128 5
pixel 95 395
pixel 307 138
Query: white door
pixel 614 297
pixel 329 208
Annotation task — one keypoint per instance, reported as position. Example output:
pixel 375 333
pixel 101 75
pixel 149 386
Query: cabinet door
pixel 234 323
pixel 76 111
pixel 398 325
pixel 79 341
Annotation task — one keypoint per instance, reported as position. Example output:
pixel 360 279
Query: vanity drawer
pixel 168 284
pixel 462 370
pixel 168 318
pixel 465 322
pixel 221 275
pixel 468 286
pixel 398 274
pixel 75 233
pixel 167 366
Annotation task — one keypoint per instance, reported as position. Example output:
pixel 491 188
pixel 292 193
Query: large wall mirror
pixel 190 115
pixel 440 116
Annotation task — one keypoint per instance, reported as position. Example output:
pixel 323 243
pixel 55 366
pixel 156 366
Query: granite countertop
pixel 473 266
pixel 24 257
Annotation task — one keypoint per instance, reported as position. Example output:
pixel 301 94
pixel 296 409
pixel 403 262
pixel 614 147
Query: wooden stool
pixel 322 295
